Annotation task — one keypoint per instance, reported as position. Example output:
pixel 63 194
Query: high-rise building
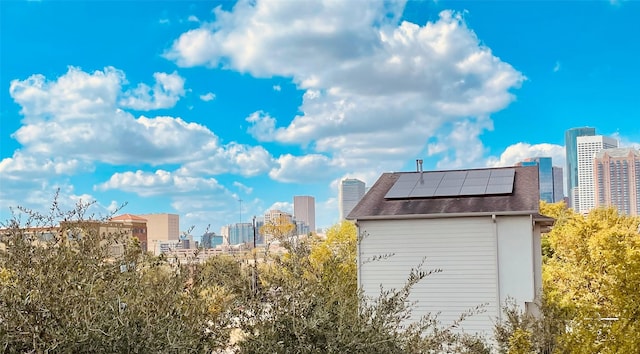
pixel 571 150
pixel 616 174
pixel 238 233
pixel 161 228
pixel 304 210
pixel 545 176
pixel 349 194
pixel 558 184
pixel 587 147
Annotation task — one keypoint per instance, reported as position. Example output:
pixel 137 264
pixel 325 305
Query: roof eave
pixel 447 215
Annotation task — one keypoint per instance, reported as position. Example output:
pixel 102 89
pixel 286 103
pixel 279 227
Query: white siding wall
pixel 515 246
pixel 465 250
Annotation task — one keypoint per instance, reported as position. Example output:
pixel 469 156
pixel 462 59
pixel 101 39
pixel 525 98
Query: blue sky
pixel 188 107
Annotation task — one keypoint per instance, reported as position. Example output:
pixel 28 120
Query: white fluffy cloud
pixel 165 93
pixel 209 96
pixel 22 166
pixel 374 86
pixel 232 158
pixel 159 182
pixel 77 116
pixel 301 169
pixel 520 151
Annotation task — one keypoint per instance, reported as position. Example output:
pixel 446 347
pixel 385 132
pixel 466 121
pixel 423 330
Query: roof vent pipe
pixel 419 165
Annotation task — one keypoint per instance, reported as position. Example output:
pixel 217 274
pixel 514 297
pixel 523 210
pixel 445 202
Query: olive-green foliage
pixel 591 277
pixel 73 296
pixel 309 303
pixel 518 332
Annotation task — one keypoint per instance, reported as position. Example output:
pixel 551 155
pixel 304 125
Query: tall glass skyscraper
pixel 548 178
pixel 571 150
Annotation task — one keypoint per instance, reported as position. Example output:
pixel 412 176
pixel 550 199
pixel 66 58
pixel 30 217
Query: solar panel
pixel 452 184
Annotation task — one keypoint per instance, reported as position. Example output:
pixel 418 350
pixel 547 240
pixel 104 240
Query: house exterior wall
pixel 483 261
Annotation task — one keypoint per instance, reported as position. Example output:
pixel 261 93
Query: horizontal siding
pixel 462 248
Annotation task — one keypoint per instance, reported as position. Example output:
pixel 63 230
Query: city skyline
pixel 188 108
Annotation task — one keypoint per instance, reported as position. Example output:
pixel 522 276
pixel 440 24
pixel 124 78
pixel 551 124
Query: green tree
pixel 310 303
pixel 70 294
pixel 594 275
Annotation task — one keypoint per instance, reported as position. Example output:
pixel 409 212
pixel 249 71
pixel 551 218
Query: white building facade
pixel 482 233
pixel 587 147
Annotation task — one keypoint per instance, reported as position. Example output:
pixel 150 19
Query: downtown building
pixel 163 232
pixel 304 211
pixel 587 148
pixel 571 170
pixel 350 192
pixel 616 174
pixel 550 178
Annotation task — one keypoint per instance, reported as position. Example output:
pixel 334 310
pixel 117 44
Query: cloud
pixel 556 67
pixel 77 116
pixel 277 88
pixel 262 126
pixel 232 158
pixel 287 207
pixel 302 169
pixel 373 86
pixel 242 187
pixel 209 96
pixel 460 146
pixel 157 183
pixel 22 166
pixel 165 93
pixel 193 18
pixel 520 151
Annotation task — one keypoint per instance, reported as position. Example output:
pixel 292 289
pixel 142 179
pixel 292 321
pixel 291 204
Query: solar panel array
pixel 452 183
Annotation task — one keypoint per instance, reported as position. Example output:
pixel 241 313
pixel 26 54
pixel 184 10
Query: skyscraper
pixel 549 178
pixel 304 209
pixel 617 179
pixel 558 184
pixel 545 176
pixel 571 150
pixel 349 194
pixel 587 147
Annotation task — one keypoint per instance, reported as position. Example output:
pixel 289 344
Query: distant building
pixel 550 178
pixel 238 233
pixel 558 184
pixel 137 226
pixel 571 170
pixel 211 240
pixel 349 194
pixel 304 210
pixel 161 228
pixel 588 146
pixel 616 174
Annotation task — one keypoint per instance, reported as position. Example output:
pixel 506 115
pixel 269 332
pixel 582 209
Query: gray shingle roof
pixel 524 200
